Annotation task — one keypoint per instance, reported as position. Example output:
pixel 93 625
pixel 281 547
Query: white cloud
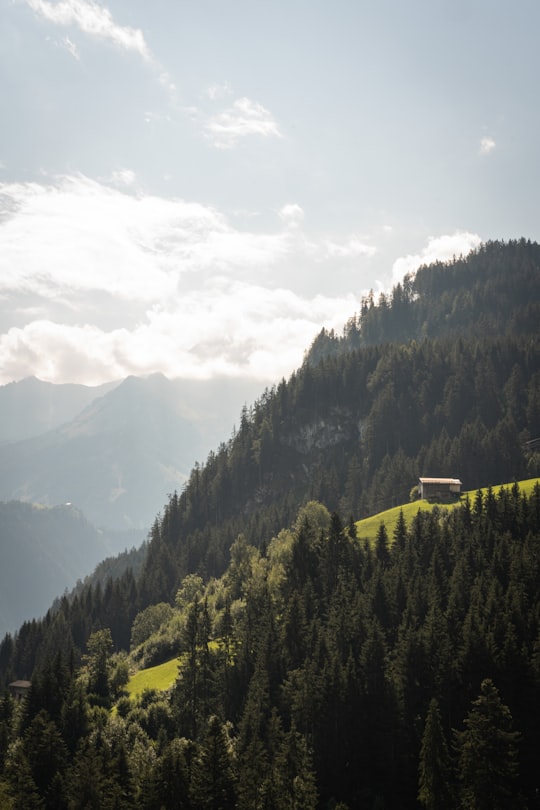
pixel 487 145
pixel 58 352
pixel 78 236
pixel 71 47
pixel 94 20
pixel 234 329
pixel 350 249
pixel 440 248
pixel 292 215
pixel 243 119
pixel 124 177
pixel 97 283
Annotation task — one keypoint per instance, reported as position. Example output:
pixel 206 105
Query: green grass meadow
pixel 160 678
pixel 367 529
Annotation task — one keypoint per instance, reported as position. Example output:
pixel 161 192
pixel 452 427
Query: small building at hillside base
pixel 439 489
pixel 19 689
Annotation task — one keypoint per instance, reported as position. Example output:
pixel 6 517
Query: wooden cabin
pixel 19 689
pixel 439 490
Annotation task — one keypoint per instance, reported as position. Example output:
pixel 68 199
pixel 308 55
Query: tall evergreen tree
pixel 22 787
pixel 487 750
pixel 167 785
pixel 100 647
pixel 294 785
pixel 434 772
pixel 46 753
pixel 214 780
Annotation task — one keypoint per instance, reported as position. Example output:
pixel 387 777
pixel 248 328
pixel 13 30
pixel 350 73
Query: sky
pixel 198 187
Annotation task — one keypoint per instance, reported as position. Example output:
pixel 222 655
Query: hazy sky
pixel 198 187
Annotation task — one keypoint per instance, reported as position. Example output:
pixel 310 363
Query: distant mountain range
pixel 116 451
pixel 31 407
pixel 43 552
pixel 84 471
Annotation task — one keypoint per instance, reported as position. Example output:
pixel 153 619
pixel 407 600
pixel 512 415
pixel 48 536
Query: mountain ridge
pixel 32 406
pixel 120 456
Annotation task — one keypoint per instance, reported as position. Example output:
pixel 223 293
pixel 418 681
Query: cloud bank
pixel 97 282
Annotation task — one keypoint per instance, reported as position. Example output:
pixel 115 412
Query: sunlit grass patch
pixel 160 678
pixel 367 529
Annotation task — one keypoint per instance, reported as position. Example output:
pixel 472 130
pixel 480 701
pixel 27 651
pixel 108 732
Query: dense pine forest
pixel 316 670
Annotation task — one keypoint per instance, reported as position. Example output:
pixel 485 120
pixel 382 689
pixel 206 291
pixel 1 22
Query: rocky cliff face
pixel 306 448
pixel 322 433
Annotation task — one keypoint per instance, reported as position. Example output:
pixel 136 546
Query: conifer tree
pixel 294 786
pixel 74 716
pixel 434 767
pixel 400 533
pixel 22 787
pixel 381 546
pixel 214 777
pixel 6 726
pixel 256 729
pixel 168 784
pixel 100 647
pixel 487 752
pixel 47 756
pixel 89 781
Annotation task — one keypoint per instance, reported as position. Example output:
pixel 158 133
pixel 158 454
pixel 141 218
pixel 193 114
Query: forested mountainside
pixel 356 428
pixel 318 672
pixel 494 291
pixel 361 631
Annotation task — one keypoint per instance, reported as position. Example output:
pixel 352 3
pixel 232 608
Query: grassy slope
pixel 160 677
pixel 367 528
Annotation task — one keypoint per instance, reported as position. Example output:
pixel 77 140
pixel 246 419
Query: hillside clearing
pixel 161 677
pixel 367 529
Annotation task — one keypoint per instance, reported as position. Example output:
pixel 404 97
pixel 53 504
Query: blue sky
pixel 198 187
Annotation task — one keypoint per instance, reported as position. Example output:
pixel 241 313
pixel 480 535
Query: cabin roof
pixel 21 684
pixel 440 481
